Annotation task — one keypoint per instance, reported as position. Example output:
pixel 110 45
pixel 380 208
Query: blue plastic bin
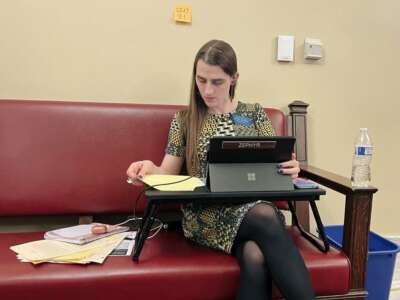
pixel 381 261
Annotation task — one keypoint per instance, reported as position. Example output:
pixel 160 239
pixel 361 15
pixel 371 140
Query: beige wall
pixel 132 51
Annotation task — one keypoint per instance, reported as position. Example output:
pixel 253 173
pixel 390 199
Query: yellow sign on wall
pixel 183 13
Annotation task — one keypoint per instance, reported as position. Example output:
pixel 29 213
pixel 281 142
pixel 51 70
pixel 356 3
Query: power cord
pixel 157 228
pixel 152 187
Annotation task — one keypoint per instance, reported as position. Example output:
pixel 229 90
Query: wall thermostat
pixel 312 49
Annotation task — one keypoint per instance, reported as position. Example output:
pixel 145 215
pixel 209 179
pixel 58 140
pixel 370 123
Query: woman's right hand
pixel 138 169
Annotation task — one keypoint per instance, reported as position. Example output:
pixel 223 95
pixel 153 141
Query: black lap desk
pixel 156 198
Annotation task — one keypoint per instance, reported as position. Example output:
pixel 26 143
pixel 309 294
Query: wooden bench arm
pixel 356 220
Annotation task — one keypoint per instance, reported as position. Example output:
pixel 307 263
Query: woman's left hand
pixel 290 167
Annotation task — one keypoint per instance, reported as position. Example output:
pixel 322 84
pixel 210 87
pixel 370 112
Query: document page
pixel 61 252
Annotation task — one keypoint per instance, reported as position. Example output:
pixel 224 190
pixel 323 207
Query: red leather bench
pixel 69 158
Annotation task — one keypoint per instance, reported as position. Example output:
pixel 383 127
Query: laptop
pixel 241 164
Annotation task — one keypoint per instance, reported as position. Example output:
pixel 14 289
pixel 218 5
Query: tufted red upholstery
pixel 60 158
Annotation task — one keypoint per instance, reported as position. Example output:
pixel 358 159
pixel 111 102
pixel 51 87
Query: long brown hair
pixel 215 53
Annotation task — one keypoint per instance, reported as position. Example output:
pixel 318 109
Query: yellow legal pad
pixel 172 182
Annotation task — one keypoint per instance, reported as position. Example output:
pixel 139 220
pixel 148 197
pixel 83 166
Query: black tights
pixel 265 252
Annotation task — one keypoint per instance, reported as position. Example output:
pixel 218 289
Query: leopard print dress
pixel 216 226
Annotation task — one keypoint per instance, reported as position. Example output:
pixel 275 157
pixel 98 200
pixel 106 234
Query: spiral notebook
pixel 80 234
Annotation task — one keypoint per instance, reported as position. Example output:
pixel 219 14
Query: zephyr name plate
pixel 235 145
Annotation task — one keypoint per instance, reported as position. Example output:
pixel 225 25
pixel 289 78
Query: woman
pixel 254 232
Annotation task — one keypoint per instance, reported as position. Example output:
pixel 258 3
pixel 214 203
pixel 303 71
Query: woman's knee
pixel 265 217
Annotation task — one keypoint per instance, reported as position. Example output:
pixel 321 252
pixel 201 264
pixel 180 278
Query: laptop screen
pixel 250 149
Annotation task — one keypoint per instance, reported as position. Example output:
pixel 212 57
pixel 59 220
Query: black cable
pixel 153 186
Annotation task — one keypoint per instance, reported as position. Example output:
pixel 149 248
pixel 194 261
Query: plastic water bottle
pixel 361 170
